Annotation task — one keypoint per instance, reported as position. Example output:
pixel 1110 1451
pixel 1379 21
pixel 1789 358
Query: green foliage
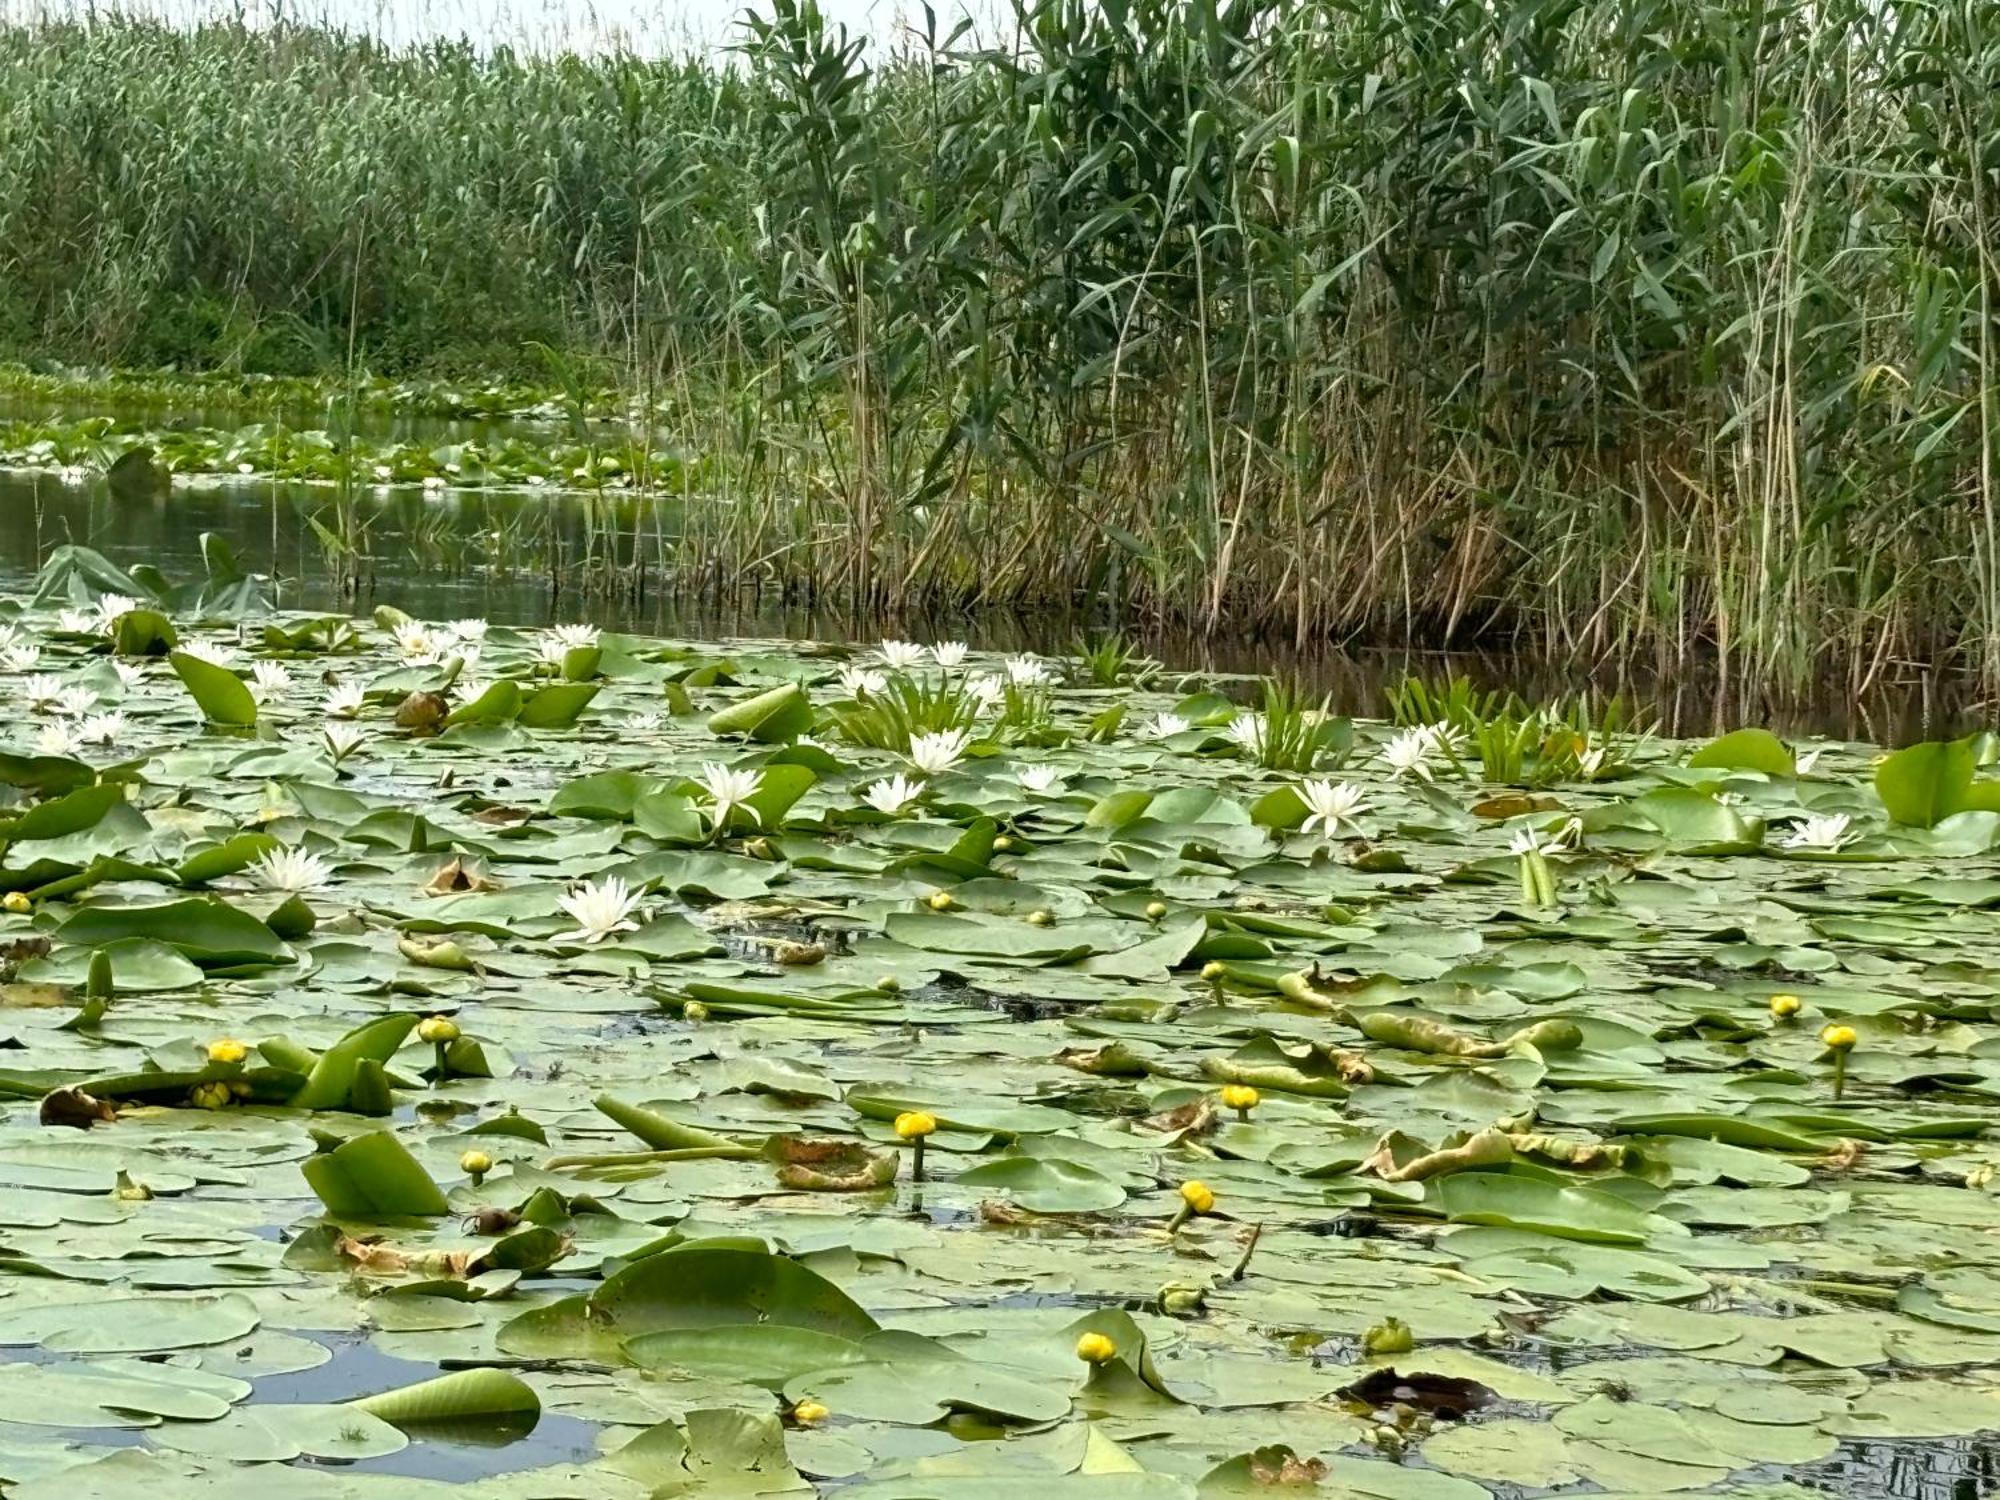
pixel 911 705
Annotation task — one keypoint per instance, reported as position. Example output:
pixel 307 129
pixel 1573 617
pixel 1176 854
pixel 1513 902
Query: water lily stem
pixel 1249 1249
pixel 640 1158
pixel 440 1073
pixel 917 1160
pixel 1839 1074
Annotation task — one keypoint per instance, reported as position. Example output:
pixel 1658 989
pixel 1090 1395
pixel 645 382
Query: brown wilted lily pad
pixel 831 1166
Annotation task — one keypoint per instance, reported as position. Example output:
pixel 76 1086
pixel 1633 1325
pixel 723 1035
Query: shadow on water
pixel 453 1452
pixel 515 558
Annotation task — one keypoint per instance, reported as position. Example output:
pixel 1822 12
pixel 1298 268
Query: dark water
pixel 516 558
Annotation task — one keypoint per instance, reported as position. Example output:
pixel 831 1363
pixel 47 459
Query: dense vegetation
pixel 1627 325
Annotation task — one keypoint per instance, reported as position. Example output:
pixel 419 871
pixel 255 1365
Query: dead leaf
pixel 831 1166
pixel 73 1107
pixel 454 877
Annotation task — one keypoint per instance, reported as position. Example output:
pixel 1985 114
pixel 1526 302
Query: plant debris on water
pixel 929 1073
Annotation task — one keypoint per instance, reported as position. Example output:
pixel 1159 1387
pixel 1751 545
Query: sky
pixel 650 26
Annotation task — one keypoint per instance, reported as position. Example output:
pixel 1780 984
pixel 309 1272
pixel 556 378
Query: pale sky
pixel 652 26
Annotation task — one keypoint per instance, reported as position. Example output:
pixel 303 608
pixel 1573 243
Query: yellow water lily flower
pixel 1095 1349
pixel 227 1050
pixel 17 902
pixel 475 1164
pixel 1784 1007
pixel 1198 1196
pixel 436 1029
pixel 809 1413
pixel 1839 1038
pixel 1241 1098
pixel 915 1124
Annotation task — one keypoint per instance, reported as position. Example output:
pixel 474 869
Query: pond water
pixel 518 558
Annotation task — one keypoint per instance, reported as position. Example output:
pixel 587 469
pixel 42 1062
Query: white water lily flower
pixel 949 653
pixel 1166 725
pixel 21 658
pixel 416 642
pixel 1028 671
pixel 55 738
pixel 1592 760
pixel 1044 780
pixel 342 738
pixel 433 483
pixel 215 653
pixel 343 700
pixel 102 729
pixel 384 472
pixel 43 691
pixel 290 870
pixel 469 629
pixel 729 788
pixel 893 794
pixel 859 681
pixel 575 637
pixel 986 691
pixel 902 655
pixel 1250 731
pixel 933 753
pixel 76 701
pixel 471 689
pixel 1535 841
pixel 1803 765
pixel 76 621
pixel 647 721
pixel 600 908
pixel 72 474
pixel 130 674
pixel 111 606
pixel 269 679
pixel 1330 804
pixel 1409 753
pixel 551 652
pixel 1821 831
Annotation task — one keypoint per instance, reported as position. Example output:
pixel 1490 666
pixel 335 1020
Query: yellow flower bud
pixel 1839 1038
pixel 694 1012
pixel 227 1050
pixel 888 984
pixel 1095 1349
pixel 1240 1096
pixel 941 901
pixel 435 1029
pixel 914 1125
pixel 809 1413
pixel 1784 1007
pixel 1003 842
pixel 1213 970
pixel 1040 918
pixel 1198 1196
pixel 1155 910
pixel 17 902
pixel 475 1164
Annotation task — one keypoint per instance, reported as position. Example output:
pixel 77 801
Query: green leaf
pixel 1927 783
pixel 373 1177
pixel 1519 1202
pixel 500 702
pixel 557 706
pixel 463 1395
pixel 1746 750
pixel 779 714
pixel 1046 1184
pixel 206 929
pixel 224 698
pixel 700 1286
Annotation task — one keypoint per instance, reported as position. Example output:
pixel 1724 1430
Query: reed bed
pixel 1634 328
